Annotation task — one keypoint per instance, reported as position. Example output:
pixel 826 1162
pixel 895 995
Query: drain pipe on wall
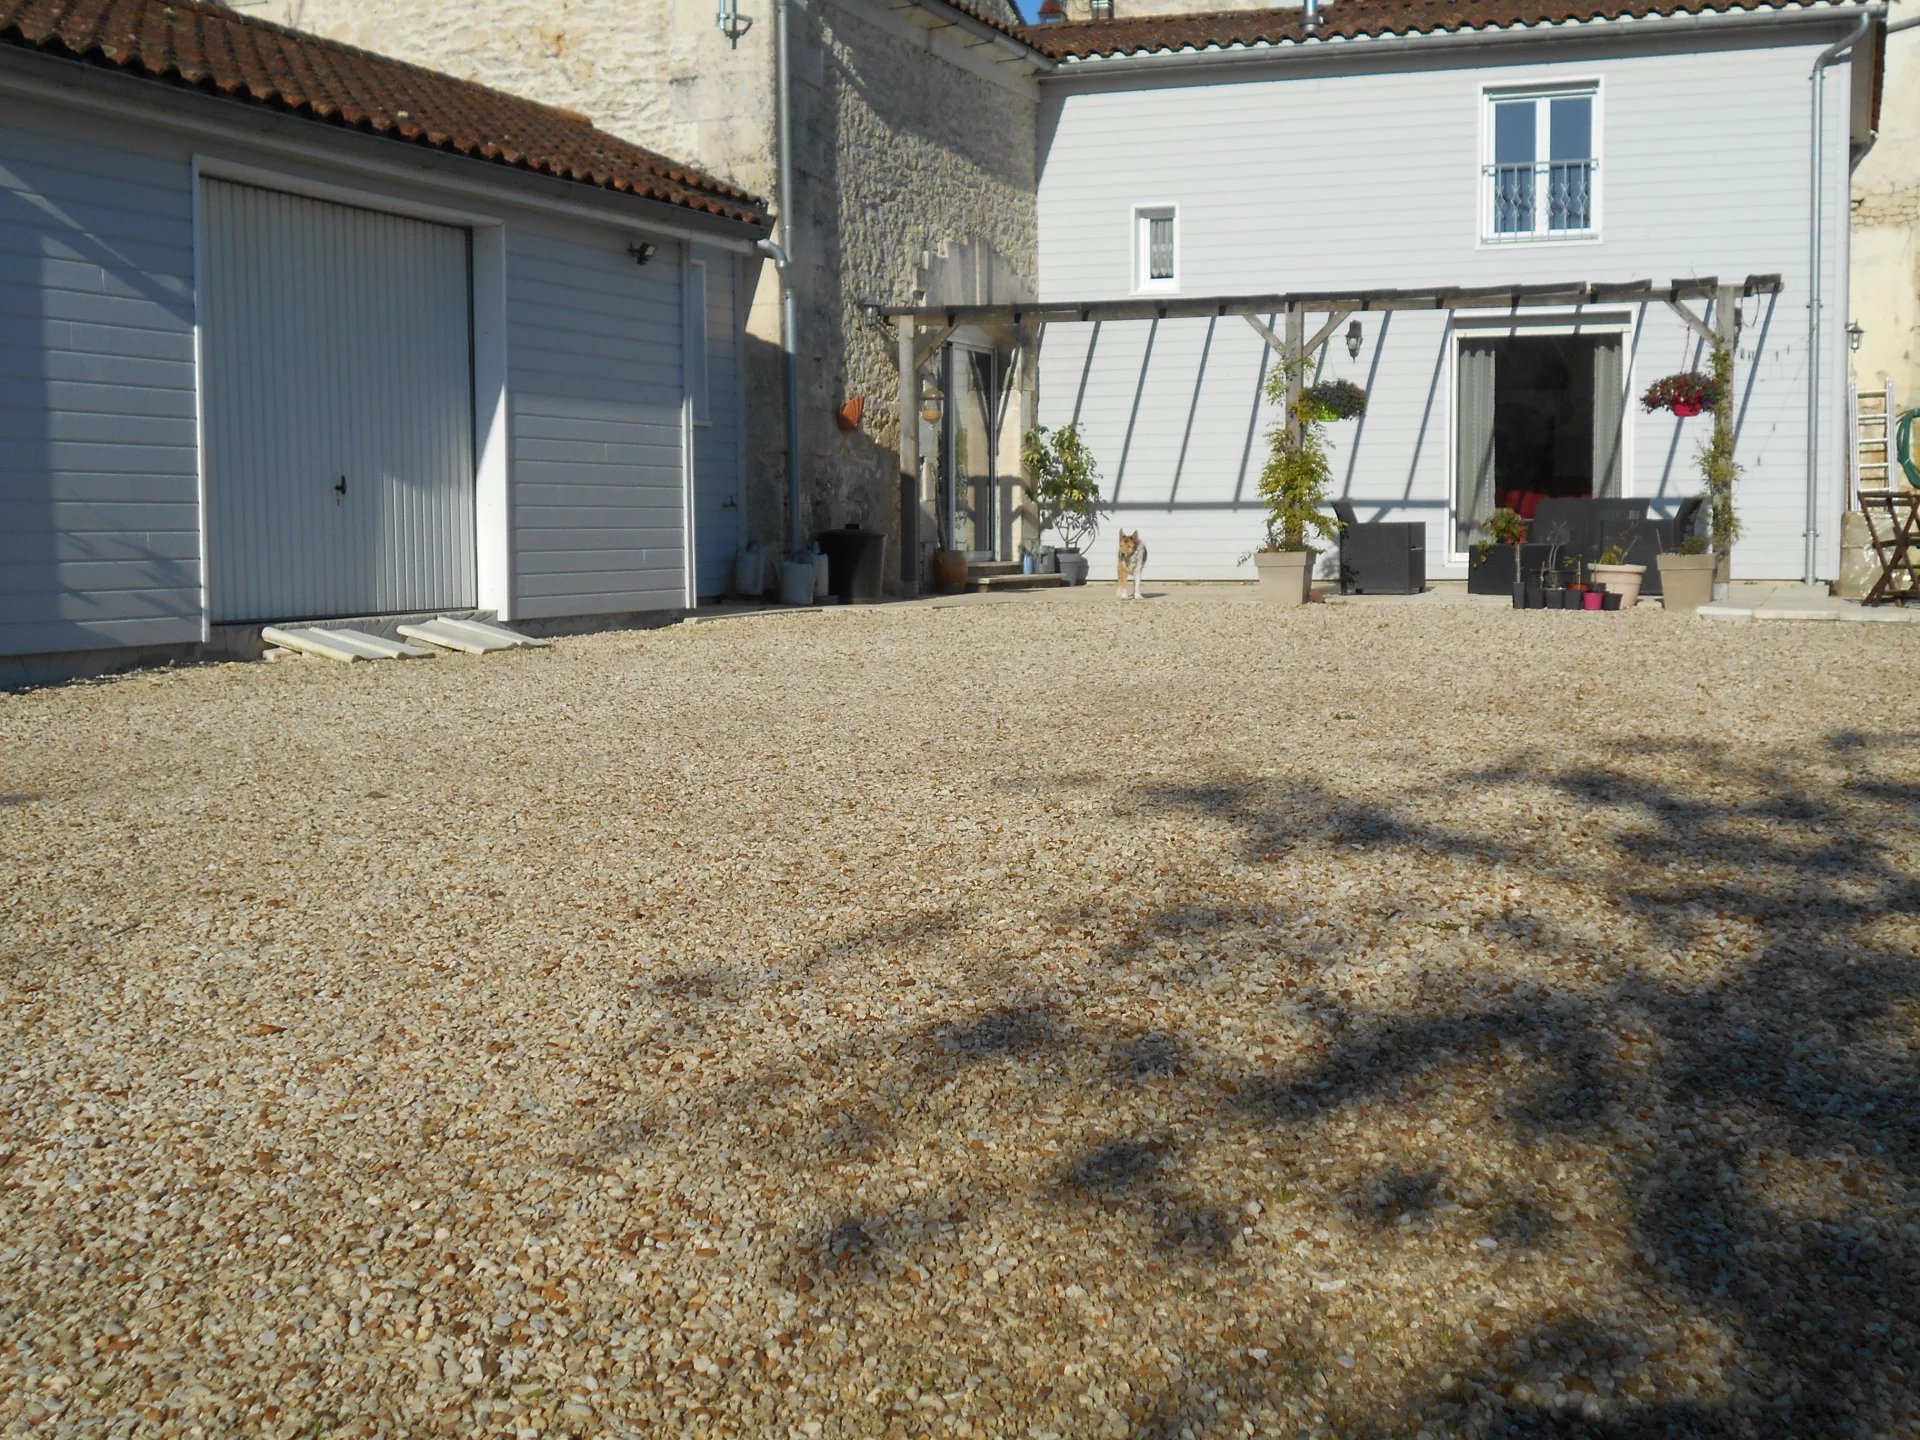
pixel 1817 86
pixel 783 262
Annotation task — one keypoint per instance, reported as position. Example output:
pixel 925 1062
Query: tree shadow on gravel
pixel 1731 1024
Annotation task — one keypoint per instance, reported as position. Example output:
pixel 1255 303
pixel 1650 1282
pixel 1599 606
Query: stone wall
pixel 1886 226
pixel 908 148
pixel 656 72
pixel 917 183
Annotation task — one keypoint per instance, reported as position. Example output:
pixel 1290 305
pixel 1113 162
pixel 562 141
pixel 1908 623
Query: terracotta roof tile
pixel 1348 20
pixel 205 46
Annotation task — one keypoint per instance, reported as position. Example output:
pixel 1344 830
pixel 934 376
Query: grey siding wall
pixel 1382 190
pixel 717 443
pixel 594 393
pixel 99 514
pixel 100 525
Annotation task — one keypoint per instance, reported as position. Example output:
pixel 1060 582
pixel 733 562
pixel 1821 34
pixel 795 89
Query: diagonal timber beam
pixel 1321 336
pixel 923 351
pixel 1694 322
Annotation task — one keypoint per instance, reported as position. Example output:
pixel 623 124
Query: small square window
pixel 1156 250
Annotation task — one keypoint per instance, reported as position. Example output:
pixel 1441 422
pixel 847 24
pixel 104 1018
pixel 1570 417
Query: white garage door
pixel 337 394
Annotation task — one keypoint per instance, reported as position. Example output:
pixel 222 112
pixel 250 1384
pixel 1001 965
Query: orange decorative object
pixel 850 413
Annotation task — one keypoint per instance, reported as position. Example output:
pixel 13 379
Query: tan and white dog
pixel 1133 560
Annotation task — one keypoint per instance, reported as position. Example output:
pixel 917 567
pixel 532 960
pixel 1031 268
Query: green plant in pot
pixel 1293 484
pixel 1619 578
pixel 1064 485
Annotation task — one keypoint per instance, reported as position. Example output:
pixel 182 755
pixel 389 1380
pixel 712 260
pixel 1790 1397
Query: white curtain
pixel 1609 409
pixel 1475 467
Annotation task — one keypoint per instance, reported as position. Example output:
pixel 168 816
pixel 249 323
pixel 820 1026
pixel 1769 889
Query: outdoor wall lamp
pixel 732 23
pixel 643 251
pixel 1855 335
pixel 1353 341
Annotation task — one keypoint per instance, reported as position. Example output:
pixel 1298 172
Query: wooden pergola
pixel 923 329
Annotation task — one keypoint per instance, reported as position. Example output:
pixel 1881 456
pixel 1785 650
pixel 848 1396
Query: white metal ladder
pixel 1873 415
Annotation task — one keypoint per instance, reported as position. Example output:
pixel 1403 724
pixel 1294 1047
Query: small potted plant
pixel 1293 488
pixel 1553 590
pixel 1620 578
pixel 1686 575
pixel 1686 393
pixel 1493 565
pixel 1064 484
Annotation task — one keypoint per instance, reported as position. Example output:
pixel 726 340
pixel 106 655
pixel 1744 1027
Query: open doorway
pixel 1540 418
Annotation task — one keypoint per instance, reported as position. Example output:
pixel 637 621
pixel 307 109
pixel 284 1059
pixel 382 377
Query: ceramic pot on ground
pixel 1621 580
pixel 1595 599
pixel 1073 567
pixel 1519 596
pixel 1283 575
pixel 1686 582
pixel 1536 597
pixel 1554 597
pixel 1612 599
pixel 949 571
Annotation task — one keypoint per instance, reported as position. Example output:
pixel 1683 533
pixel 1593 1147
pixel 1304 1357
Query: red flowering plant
pixel 1688 393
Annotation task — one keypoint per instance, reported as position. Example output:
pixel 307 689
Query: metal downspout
pixel 789 308
pixel 1817 86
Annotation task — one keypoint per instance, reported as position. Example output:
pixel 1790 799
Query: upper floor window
pixel 1156 251
pixel 1541 164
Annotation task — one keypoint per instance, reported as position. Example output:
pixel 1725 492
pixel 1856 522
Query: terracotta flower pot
pixel 949 571
pixel 1621 580
pixel 1283 575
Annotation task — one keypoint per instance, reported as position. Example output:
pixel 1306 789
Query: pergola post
pixel 907 329
pixel 1296 352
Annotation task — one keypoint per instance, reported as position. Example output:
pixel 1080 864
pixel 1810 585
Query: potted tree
pixel 1293 484
pixel 1493 567
pixel 1065 485
pixel 1619 578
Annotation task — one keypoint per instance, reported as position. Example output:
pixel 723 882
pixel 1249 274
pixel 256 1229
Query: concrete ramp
pixel 345 645
pixel 470 637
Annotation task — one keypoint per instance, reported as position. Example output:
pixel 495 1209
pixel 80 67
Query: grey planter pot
pixel 1283 576
pixel 1073 567
pixel 1686 582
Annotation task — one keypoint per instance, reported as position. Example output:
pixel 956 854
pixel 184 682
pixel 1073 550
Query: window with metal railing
pixel 1542 167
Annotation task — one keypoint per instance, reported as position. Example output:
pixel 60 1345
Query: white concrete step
pixel 343 645
pixel 470 637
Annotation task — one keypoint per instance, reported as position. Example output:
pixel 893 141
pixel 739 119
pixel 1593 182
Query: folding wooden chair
pixel 1893 525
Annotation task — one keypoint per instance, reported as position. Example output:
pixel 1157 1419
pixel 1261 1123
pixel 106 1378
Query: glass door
pixel 967 479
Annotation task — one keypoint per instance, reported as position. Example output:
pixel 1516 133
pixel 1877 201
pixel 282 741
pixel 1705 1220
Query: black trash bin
pixel 854 560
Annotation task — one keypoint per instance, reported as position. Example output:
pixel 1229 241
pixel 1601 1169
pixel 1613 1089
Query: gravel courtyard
pixel 1047 1017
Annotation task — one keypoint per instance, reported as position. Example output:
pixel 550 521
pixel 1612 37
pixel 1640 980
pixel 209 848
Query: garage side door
pixel 336 371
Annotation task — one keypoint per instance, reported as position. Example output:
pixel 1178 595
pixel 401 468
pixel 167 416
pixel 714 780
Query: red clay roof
pixel 208 47
pixel 1347 20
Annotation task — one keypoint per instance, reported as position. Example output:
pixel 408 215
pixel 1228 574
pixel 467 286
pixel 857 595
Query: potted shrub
pixel 1065 486
pixel 1685 394
pixel 1686 575
pixel 1493 565
pixel 1293 487
pixel 1620 578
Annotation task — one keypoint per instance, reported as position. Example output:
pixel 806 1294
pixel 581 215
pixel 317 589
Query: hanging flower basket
pixel 1688 393
pixel 1335 400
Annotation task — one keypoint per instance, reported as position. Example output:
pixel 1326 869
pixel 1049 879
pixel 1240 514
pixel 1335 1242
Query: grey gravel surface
pixel 1037 1018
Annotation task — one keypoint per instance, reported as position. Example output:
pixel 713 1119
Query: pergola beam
pixel 1445 297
